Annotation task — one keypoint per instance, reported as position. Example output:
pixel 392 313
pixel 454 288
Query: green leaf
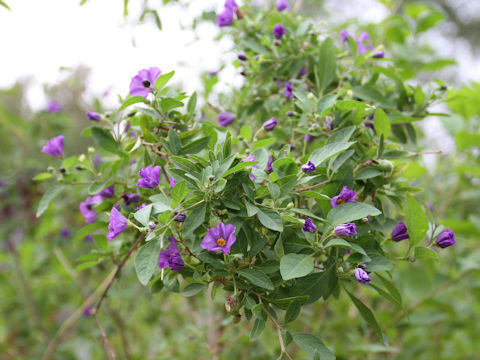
pixel 313 285
pixel 367 315
pixel 196 146
pixel 423 253
pixel 192 289
pixel 293 311
pixel 257 329
pixel 179 192
pixel 104 139
pixel 192 103
pixel 369 93
pixel 195 219
pixel 246 132
pixel 345 244
pixel 146 261
pixel 345 213
pixel 294 266
pixel 417 223
pixel 270 219
pixel 284 167
pixel 239 166
pixel 312 345
pixel 257 278
pixel 368 173
pixel 252 210
pixel 265 143
pixel 87 229
pixel 381 123
pixel 143 215
pixel 2 3
pixel 42 176
pixel 132 100
pixel 168 104
pixel 175 142
pixel 162 80
pixel 329 150
pixel 326 65
pixel 47 197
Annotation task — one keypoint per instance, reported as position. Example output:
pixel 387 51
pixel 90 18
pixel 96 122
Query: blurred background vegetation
pixel 41 285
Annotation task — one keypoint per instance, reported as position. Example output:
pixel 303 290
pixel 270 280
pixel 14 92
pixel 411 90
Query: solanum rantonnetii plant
pixel 289 200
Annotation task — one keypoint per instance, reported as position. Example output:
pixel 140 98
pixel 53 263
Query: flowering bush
pixel 287 192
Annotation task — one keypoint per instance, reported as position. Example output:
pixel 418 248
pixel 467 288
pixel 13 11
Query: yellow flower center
pixel 221 242
pixel 340 201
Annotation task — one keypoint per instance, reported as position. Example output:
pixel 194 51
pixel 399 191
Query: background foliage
pixel 44 282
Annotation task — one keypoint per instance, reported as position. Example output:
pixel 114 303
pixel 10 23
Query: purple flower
pixel 141 207
pixel 288 93
pixel 346 195
pixel 290 113
pixel 278 31
pixel 150 177
pixel 270 164
pixel 108 192
pixel 348 229
pixel 231 4
pixel 302 72
pixel 379 55
pixel 142 82
pixel 172 181
pixel 225 18
pixel 270 124
pixel 400 232
pixel 308 138
pixel 220 238
pixel 54 146
pixel 446 238
pixel 282 5
pixel 97 160
pixel 93 116
pixel 85 207
pixel 362 276
pixel 242 57
pixel 225 118
pixel 53 107
pixel 65 232
pixel 362 48
pixel 87 311
pixel 170 257
pixel 117 224
pixel 180 218
pixel 345 34
pixel 309 226
pixel 309 167
pixel 251 158
pixel 131 198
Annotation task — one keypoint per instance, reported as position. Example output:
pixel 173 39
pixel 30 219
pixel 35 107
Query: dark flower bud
pixel 152 225
pixel 243 73
pixel 348 229
pixel 361 276
pixel 108 114
pixel 309 226
pixel 242 57
pixel 400 232
pixel 443 88
pixel 211 178
pixel 247 151
pixel 446 238
pixel 62 170
pixel 290 113
pixel 79 168
pixel 179 218
pixel 309 167
pixel 276 42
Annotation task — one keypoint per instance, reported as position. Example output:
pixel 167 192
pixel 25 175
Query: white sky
pixel 38 37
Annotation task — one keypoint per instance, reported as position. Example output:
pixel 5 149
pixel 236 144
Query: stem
pixel 106 343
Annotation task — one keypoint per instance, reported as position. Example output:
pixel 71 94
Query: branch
pixel 106 343
pixel 117 271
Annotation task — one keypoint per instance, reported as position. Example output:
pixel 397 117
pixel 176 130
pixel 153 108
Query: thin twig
pixel 314 186
pixel 117 271
pixel 110 352
pixel 72 319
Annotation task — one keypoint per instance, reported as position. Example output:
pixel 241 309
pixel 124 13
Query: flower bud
pixel 211 178
pixel 446 238
pixel 62 170
pixel 91 150
pixel 349 93
pixel 348 229
pixel 386 166
pixel 152 225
